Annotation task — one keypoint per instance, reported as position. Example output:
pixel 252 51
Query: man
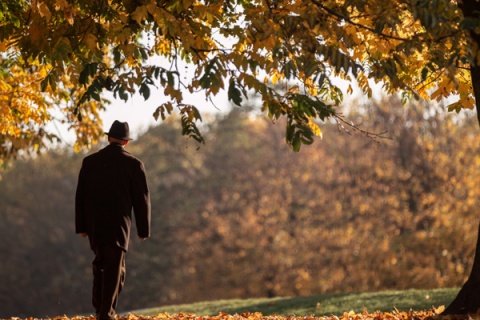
pixel 111 183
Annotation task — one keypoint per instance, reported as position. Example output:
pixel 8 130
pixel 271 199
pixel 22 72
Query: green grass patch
pixel 319 305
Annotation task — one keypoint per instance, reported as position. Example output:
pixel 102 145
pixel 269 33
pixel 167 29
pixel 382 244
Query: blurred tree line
pixel 244 216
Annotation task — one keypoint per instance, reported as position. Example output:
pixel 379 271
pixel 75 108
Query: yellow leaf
pixel 140 14
pixel 276 76
pixel 61 5
pixel 91 41
pixel 68 16
pixel 43 10
pixel 315 128
pixel 440 309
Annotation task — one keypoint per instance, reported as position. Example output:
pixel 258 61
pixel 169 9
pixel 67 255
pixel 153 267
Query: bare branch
pixel 344 124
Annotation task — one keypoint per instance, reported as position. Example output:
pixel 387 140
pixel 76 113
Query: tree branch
pixel 341 17
pixel 341 122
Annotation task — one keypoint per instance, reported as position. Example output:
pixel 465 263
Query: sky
pixel 139 113
pixel 136 111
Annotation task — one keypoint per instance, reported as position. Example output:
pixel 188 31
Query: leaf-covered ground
pixel 378 315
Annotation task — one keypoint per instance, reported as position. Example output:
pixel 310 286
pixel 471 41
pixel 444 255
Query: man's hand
pixel 143 238
pixel 83 235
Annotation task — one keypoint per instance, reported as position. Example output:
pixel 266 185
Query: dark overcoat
pixel 111 184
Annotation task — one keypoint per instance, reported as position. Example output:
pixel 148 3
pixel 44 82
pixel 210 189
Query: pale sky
pixel 136 111
pixel 139 113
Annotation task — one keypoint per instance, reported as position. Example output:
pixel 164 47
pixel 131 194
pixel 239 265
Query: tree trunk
pixel 468 299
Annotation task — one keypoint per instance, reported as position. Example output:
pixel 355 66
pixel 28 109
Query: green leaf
pixel 170 78
pixel 117 55
pixel 44 84
pixel 424 73
pixel 145 91
pixel 88 71
pixel 122 93
pixel 234 94
pixel 310 67
pixel 52 81
pixel 166 107
pixel 189 115
pixel 289 69
pixel 296 143
pixel 143 53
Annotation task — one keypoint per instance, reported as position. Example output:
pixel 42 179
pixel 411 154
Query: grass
pixel 318 305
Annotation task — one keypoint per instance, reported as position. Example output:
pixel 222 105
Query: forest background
pixel 244 216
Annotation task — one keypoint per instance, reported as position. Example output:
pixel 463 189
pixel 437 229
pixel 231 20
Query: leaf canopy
pixel 57 57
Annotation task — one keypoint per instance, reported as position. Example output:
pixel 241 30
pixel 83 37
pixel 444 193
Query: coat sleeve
pixel 80 218
pixel 141 201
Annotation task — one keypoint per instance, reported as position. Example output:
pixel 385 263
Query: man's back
pixel 111 183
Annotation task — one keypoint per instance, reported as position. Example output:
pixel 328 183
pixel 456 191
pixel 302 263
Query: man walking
pixel 111 183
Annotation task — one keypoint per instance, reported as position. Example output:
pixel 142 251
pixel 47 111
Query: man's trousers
pixel 108 280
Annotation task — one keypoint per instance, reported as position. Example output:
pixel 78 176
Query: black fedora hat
pixel 119 130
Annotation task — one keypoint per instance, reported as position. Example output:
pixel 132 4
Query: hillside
pixel 317 305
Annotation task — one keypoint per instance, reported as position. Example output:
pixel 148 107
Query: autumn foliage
pixel 63 56
pixel 245 217
pixel 395 315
